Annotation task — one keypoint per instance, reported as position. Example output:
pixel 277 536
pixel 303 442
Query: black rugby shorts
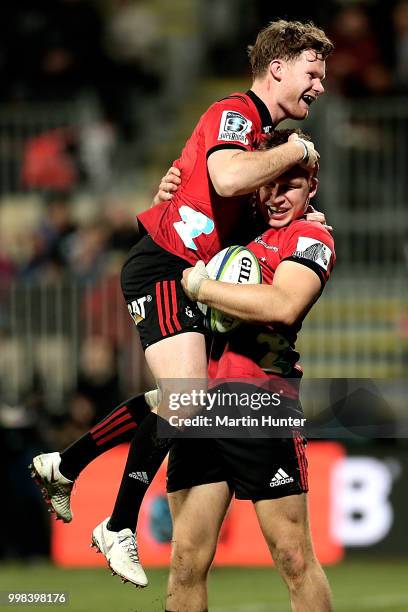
pixel 254 468
pixel 152 289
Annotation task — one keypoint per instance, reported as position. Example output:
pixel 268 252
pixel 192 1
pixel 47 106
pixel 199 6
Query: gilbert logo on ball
pixel 235 264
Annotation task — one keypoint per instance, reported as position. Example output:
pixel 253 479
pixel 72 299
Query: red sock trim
pixel 116 433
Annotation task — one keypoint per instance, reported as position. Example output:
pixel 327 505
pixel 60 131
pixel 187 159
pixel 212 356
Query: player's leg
pixel 197 516
pixel 117 427
pixel 171 332
pixel 118 541
pixel 285 526
pixel 56 472
pixel 199 497
pixel 148 450
pixel 272 472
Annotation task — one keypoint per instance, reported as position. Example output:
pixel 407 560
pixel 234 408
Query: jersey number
pixel 193 224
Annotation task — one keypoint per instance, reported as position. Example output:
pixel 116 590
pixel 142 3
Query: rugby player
pixel 219 167
pixel 113 429
pixel 296 257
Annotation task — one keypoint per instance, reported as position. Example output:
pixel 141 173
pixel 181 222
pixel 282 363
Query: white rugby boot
pixel 120 550
pixel 55 488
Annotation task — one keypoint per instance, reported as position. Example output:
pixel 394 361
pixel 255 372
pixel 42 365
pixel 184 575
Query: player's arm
pixel 171 181
pixel 294 290
pixel 235 172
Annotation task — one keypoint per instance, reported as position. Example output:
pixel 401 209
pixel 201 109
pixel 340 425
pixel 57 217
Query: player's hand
pixel 192 280
pixel 310 155
pixel 168 186
pixel 318 217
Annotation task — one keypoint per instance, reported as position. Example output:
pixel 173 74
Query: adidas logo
pixel 280 478
pixel 139 476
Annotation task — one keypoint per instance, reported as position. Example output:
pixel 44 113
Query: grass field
pixel 375 586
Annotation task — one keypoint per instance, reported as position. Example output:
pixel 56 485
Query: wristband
pixel 305 157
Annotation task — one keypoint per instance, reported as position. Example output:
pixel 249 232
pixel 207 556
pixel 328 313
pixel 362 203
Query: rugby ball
pixel 235 264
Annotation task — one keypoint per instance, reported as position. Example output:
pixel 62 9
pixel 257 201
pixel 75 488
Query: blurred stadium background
pixel 97 99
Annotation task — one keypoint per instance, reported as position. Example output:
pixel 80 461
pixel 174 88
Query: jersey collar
pixel 266 119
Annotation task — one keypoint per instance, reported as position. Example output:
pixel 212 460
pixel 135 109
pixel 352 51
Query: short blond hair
pixel 286 40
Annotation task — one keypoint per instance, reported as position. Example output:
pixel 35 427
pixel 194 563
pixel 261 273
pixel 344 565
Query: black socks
pixel 146 454
pixel 117 427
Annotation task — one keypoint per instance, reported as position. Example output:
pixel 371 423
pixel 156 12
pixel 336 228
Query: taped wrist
pixel 196 278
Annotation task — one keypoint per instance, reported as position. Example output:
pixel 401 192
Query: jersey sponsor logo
pixel 234 127
pixel 137 308
pixel 314 250
pixel 259 240
pixel 192 225
pixel 280 478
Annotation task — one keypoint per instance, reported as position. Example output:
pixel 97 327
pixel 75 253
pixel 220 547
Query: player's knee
pixel 187 572
pixel 190 563
pixel 292 563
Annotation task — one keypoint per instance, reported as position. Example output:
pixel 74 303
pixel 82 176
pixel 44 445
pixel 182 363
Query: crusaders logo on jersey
pixel 234 127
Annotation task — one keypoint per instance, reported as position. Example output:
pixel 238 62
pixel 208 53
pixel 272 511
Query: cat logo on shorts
pixel 137 308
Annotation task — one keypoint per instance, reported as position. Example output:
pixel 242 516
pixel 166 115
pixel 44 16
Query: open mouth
pixel 276 213
pixel 308 99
